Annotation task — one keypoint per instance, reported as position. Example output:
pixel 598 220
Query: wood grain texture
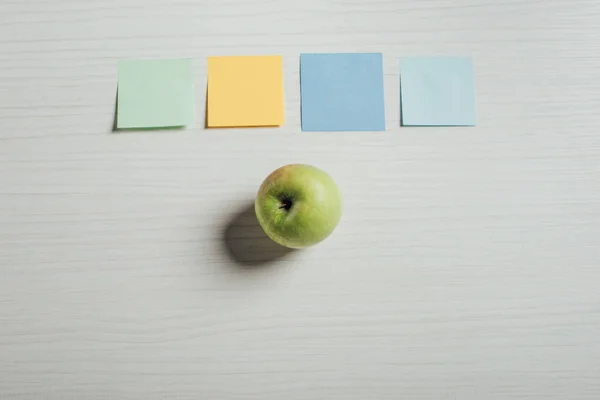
pixel 466 265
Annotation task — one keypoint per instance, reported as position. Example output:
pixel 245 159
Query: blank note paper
pixel 342 92
pixel 437 91
pixel 245 91
pixel 155 94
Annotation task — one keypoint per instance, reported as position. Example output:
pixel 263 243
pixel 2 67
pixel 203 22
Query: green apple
pixel 298 205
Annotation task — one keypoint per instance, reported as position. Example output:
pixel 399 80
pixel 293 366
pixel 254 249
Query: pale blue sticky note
pixel 155 93
pixel 342 92
pixel 437 91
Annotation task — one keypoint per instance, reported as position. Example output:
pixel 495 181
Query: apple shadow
pixel 247 244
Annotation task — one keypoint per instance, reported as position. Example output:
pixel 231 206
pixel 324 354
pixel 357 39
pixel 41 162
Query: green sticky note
pixel 155 94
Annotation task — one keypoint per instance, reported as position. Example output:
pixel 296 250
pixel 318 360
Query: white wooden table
pixel 467 264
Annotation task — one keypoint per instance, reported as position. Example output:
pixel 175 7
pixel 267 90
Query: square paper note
pixel 437 91
pixel 245 91
pixel 155 93
pixel 342 92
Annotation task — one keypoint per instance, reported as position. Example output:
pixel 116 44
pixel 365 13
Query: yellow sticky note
pixel 245 91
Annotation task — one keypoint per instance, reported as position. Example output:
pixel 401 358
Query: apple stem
pixel 286 204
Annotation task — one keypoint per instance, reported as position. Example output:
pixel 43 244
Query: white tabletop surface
pixel 466 266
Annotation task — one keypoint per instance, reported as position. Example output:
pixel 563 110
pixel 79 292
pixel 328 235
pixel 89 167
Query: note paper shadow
pixel 116 129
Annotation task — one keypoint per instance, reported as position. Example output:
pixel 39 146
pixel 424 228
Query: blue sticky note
pixel 437 91
pixel 342 92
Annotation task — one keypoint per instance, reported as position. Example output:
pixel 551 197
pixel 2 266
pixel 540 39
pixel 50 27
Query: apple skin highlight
pixel 298 205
